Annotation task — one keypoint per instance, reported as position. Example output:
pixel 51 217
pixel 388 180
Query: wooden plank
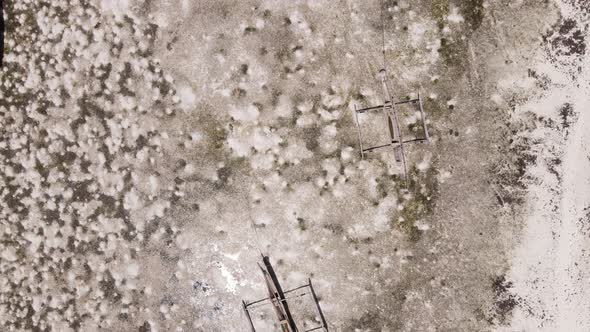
pixel 423 115
pixel 317 303
pixel 374 108
pixel 358 128
pixel 377 147
pixel 245 306
pixel 406 101
pixel 257 301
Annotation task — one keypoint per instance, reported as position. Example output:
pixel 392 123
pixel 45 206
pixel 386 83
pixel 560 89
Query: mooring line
pixel 383 33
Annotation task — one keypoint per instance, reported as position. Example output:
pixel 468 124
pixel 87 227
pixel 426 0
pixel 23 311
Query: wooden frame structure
pixel 276 297
pixel 396 138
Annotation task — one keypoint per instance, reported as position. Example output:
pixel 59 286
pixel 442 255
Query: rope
pixel 253 225
pixel 383 32
pixel 370 71
pixel 391 95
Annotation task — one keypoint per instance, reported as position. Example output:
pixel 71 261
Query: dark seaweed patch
pixel 335 229
pixel 473 11
pixel 567 39
pixel 145 327
pixel 370 321
pixel 424 186
pixel 568 117
pixel 510 172
pixel 504 300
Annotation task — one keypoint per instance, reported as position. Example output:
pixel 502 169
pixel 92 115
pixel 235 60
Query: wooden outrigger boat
pixel 277 298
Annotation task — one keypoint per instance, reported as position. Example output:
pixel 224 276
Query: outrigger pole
pixel 396 140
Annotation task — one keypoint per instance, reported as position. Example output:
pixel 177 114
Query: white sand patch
pixel 187 97
pixel 132 201
pixel 231 281
pixel 9 254
pixel 243 140
pixel 417 31
pixel 245 114
pixel 383 213
pixel 117 8
pixel 573 266
pixel 550 269
pixel 284 107
pixel 185 5
pixel 455 17
pixel 132 270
